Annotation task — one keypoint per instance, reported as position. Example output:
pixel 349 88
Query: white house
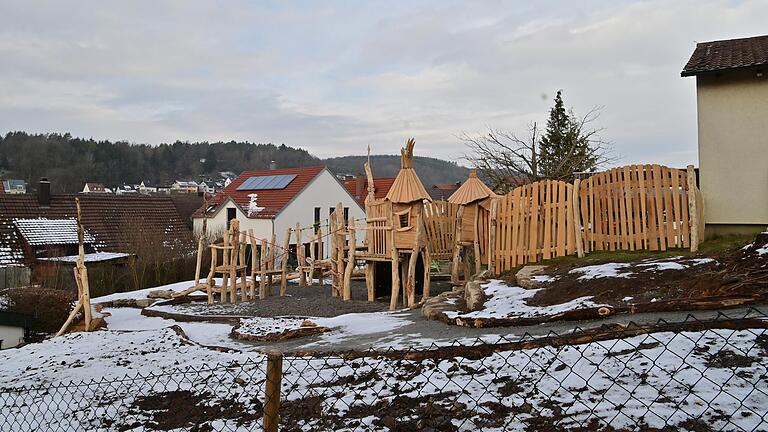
pixel 14 329
pixel 271 201
pixel 181 186
pixel 94 188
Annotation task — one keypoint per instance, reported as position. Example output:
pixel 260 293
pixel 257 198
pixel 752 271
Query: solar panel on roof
pixel 267 182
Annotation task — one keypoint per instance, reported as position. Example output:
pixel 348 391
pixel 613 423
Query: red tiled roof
pixel 727 54
pixel 272 200
pixel 380 188
pixel 118 223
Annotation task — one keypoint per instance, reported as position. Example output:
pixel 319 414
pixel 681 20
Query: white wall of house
pixel 733 138
pixel 11 336
pixel 216 225
pixel 324 192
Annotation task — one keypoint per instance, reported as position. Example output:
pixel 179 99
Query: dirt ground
pixel 736 272
pixel 314 301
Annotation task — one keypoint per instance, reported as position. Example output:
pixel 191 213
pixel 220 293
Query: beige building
pixel 732 100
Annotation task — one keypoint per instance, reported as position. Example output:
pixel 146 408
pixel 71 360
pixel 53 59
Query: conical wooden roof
pixel 472 190
pixel 407 187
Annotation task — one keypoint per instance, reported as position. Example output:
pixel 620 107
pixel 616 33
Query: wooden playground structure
pixel 628 208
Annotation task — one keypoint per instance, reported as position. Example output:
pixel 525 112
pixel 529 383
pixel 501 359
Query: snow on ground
pixel 545 279
pixel 260 326
pixel 660 379
pixel 512 302
pixel 204 333
pixel 143 293
pixel 348 326
pixel 601 271
pixel 625 270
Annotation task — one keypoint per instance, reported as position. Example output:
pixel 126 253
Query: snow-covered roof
pixel 91 257
pixel 44 231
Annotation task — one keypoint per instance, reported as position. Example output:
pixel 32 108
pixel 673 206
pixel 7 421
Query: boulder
pixel 482 276
pixel 474 295
pixel 525 276
pixel 434 308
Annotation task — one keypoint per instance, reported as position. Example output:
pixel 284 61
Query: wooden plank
pixel 686 233
pixel 643 205
pixel 668 206
pixel 659 205
pixel 636 218
pixel 629 226
pixel 561 217
pixel 533 246
pixel 677 217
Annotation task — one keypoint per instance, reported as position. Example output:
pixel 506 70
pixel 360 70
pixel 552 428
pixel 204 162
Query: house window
pixel 346 214
pixel 231 214
pixel 317 218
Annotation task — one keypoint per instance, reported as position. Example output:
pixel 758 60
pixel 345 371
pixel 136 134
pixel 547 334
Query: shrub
pixel 48 307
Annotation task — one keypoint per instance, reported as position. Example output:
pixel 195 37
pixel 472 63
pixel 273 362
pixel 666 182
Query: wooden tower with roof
pixel 396 232
pixel 473 197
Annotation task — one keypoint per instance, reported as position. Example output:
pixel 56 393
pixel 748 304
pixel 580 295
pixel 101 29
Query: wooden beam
pixel 693 212
pixel 347 293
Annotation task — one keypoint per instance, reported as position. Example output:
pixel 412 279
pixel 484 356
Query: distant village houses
pixel 14 186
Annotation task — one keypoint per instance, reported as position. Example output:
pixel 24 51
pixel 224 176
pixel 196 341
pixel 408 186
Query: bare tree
pixel 568 145
pixel 504 159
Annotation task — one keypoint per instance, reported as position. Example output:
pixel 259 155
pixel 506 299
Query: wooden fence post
pixel 492 236
pixel 272 391
pixel 284 263
pixel 693 208
pixel 576 207
pixel 347 292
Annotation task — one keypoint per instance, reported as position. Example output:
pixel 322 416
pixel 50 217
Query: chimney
pixel 44 192
pixel 359 186
pixel 272 165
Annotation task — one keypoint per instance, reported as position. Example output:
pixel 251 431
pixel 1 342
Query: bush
pixel 49 307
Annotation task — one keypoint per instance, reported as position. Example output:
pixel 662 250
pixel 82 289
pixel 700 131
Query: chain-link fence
pixel 695 375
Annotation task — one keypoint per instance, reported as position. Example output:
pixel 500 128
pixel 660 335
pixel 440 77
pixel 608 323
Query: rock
pixel 525 276
pixel 482 276
pixel 474 296
pixel 308 323
pixel 163 294
pixel 434 308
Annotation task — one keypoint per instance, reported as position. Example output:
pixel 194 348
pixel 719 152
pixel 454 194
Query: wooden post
pixel 254 264
pixel 312 244
pixel 693 212
pixel 410 290
pixel 272 391
pixel 284 264
pixel 320 254
pixel 575 206
pixel 263 273
pixel 234 232
pixel 370 279
pixel 341 243
pixel 272 255
pixel 476 239
pixel 81 279
pixel 300 256
pixel 394 255
pixel 492 236
pixel 333 251
pixel 456 248
pixel 211 282
pixel 347 293
pixel 225 260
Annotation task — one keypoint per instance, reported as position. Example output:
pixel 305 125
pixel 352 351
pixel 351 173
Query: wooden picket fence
pixel 440 221
pixel 636 207
pixel 534 222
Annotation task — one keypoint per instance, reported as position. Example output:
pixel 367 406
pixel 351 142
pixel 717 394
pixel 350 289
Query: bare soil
pixel 737 272
pixel 314 301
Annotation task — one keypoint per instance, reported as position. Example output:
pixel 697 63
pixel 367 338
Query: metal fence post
pixel 272 391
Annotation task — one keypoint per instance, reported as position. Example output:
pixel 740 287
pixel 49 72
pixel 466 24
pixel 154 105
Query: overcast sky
pixel 333 77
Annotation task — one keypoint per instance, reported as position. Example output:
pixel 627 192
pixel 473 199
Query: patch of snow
pixel 143 293
pixel 90 257
pixel 262 326
pixel 602 271
pixel 762 251
pixel 512 302
pixel 626 299
pixel 543 278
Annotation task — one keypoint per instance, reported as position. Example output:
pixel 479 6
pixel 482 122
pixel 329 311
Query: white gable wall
pixel 216 225
pixel 324 192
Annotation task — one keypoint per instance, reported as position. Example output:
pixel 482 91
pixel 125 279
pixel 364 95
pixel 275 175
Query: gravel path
pixel 314 301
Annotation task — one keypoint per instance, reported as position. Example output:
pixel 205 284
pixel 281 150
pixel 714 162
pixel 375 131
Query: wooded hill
pixel 69 162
